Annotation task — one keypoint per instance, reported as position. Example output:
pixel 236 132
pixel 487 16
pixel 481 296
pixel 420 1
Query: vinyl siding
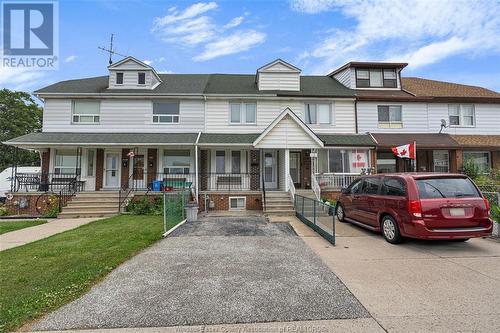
pixel 287 134
pixel 279 81
pixel 130 79
pixel 344 77
pixel 426 118
pixel 268 110
pixel 126 115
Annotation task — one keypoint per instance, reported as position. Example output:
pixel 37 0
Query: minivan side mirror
pixel 344 190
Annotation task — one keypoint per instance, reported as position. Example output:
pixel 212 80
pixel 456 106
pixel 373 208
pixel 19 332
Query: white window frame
pixel 175 118
pixel 116 78
pixel 446 163
pixel 166 166
pixel 348 151
pixel 243 113
pixel 238 198
pixel 138 83
pixel 330 116
pixel 461 115
pixel 390 124
pixel 96 117
pixel 228 161
pixel 73 169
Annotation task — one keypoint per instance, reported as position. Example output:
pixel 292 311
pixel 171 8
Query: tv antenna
pixel 111 51
pixel 443 125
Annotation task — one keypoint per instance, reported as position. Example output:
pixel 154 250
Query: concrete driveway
pixel 418 286
pixel 216 271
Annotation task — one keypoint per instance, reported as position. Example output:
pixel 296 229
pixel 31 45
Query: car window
pixel 446 188
pixel 356 187
pixel 394 187
pixel 371 185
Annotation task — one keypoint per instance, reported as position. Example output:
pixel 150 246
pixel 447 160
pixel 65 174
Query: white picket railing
pixel 291 187
pixel 315 187
pixel 333 181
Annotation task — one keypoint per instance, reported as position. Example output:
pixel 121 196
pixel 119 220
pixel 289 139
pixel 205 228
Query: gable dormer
pixel 130 73
pixel 278 75
pixel 370 75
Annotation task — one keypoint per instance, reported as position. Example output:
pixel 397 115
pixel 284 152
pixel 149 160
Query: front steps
pixel 308 193
pixel 91 204
pixel 279 203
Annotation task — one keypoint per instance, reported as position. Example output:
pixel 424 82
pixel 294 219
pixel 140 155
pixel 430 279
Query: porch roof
pixel 424 140
pixel 351 140
pixel 227 138
pixel 102 139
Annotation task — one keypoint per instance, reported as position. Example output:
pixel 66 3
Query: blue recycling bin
pixel 156 185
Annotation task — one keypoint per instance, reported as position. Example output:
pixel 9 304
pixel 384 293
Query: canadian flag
pixel 405 151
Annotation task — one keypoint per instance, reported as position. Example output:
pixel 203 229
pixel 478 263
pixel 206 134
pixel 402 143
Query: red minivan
pixel 416 205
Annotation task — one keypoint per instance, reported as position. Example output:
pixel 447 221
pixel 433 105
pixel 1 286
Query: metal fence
pixel 317 215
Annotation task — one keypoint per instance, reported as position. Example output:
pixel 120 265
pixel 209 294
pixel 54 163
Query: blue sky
pixel 455 40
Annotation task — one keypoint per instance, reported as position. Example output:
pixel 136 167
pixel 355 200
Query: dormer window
pixel 119 78
pixel 376 78
pixel 141 78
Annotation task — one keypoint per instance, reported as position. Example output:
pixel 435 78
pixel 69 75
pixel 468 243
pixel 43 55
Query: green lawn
pixel 16 225
pixel 39 277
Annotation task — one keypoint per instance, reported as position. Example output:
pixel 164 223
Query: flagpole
pixel 415 151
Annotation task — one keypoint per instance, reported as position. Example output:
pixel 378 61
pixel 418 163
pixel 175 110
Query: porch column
pixel 287 168
pixel 152 168
pixel 255 170
pixel 99 169
pixel 196 187
pixel 125 162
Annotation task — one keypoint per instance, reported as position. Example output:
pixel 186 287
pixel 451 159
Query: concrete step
pixel 277 195
pixel 279 207
pixel 91 208
pixel 97 195
pixel 287 212
pixel 78 213
pixel 278 200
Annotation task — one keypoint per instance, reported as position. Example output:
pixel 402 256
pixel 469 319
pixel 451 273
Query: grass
pixel 16 225
pixel 40 277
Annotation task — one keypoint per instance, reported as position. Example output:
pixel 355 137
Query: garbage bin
pixel 191 212
pixel 156 185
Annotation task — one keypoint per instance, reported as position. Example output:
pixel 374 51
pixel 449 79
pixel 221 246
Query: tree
pixel 19 115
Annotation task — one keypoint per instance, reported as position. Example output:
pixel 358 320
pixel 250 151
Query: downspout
pixel 196 165
pixel 204 113
pixel 356 115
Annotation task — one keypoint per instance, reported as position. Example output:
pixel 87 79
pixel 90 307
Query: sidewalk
pixel 31 234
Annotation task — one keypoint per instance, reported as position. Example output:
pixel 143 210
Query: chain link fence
pixel 318 215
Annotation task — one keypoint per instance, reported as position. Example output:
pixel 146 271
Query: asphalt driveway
pixel 215 271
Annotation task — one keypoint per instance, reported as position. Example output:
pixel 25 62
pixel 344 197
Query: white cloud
pixel 20 78
pixel 234 43
pixel 161 59
pixel 165 71
pixel 234 22
pixel 70 58
pixel 195 27
pixel 148 62
pixel 419 32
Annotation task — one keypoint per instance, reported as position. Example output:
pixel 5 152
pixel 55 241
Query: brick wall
pixel 306 168
pixel 202 178
pixel 99 169
pixel 254 170
pixel 151 164
pixel 331 195
pixel 33 204
pixel 45 161
pixel 221 201
pixel 125 169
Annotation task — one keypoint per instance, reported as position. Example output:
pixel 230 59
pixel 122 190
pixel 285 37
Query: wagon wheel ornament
pixel 46 202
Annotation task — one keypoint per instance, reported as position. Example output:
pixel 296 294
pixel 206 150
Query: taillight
pixel 487 204
pixel 415 208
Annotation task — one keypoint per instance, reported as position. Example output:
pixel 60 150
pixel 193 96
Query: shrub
pixel 3 210
pixel 470 168
pixel 140 207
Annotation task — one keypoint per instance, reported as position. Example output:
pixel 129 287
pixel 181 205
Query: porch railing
pixel 332 181
pixel 229 181
pixel 316 188
pixel 45 182
pixel 291 186
pixel 158 180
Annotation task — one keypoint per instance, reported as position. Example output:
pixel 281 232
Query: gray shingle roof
pixel 347 140
pixel 104 138
pixel 241 84
pixel 219 138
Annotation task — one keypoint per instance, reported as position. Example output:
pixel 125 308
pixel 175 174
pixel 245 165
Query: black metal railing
pixel 124 192
pixel 143 181
pixel 66 193
pixel 318 215
pixel 247 181
pixel 45 182
pixel 263 194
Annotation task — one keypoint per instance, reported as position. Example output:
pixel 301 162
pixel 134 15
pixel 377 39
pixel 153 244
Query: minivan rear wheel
pixel 390 230
pixel 340 213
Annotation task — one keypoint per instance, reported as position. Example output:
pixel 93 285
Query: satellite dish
pixel 443 125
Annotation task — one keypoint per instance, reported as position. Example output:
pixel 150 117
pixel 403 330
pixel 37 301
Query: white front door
pixel 90 170
pixel 112 170
pixel 270 169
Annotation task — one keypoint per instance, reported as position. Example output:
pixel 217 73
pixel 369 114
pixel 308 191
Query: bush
pixel 3 210
pixel 140 207
pixel 470 168
pixel 145 207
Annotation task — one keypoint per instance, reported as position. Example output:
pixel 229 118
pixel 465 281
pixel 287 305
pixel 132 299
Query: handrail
pixel 124 192
pixel 263 193
pixel 315 187
pixel 291 186
pixel 68 191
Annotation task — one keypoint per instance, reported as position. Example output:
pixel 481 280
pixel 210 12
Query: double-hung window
pixel 65 162
pixel 166 112
pixel 461 115
pixel 86 112
pixel 390 116
pixel 176 161
pixel 243 113
pixel 376 78
pixel 317 113
pixel 141 78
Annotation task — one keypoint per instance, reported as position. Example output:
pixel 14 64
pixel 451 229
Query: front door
pixel 295 168
pixel 138 171
pixel 112 170
pixel 270 169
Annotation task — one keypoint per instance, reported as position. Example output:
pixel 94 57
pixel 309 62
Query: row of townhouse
pixel 232 137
